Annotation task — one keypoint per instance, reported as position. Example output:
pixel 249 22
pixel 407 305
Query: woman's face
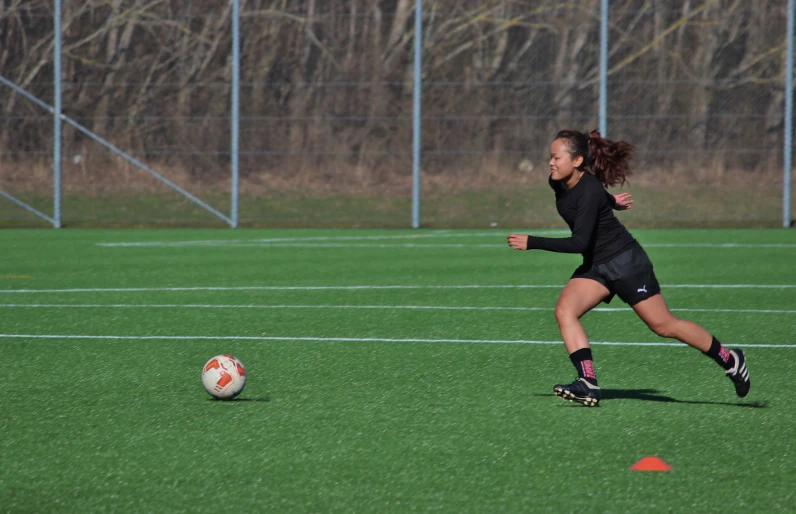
pixel 562 165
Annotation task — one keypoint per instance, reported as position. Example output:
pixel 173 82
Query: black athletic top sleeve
pixel 587 209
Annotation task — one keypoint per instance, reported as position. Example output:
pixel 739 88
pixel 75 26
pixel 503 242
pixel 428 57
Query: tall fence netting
pixel 326 99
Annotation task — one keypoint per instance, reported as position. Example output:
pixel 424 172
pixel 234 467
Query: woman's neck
pixel 574 178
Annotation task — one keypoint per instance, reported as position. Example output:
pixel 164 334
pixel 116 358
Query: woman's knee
pixel 565 313
pixel 665 327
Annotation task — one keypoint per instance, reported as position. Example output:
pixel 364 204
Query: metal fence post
pixel 788 155
pixel 57 116
pixel 603 115
pixel 235 107
pixel 416 114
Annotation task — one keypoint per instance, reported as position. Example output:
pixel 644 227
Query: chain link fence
pixel 326 110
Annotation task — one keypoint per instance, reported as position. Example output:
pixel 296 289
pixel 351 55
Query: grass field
pixel 389 371
pixel 501 205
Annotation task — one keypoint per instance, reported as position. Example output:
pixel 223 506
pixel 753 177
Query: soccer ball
pixel 224 377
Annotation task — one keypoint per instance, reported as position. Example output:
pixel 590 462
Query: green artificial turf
pixel 419 398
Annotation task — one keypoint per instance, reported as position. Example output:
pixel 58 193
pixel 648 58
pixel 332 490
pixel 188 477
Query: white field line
pixel 719 245
pixel 366 287
pixel 496 246
pixel 356 307
pixel 500 246
pixel 309 244
pixel 373 245
pixel 348 339
pixel 222 242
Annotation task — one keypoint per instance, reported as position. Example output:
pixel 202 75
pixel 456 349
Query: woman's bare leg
pixel 578 297
pixel 656 314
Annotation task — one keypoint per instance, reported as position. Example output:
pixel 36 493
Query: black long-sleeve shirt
pixel 588 210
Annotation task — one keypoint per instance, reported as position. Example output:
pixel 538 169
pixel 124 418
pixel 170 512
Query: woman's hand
pixel 624 201
pixel 518 241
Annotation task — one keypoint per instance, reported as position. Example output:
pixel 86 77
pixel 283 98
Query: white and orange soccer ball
pixel 224 377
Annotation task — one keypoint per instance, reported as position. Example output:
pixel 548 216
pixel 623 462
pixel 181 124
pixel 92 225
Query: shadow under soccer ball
pixel 238 399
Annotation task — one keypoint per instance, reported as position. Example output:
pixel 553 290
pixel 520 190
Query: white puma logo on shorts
pixel 643 289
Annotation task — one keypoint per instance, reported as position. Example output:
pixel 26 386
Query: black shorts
pixel 628 275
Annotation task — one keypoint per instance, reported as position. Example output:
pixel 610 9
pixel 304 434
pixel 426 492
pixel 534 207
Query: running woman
pixel 582 166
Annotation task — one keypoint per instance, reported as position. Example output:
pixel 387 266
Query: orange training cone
pixel 651 464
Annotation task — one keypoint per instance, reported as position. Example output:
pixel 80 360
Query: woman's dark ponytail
pixel 609 159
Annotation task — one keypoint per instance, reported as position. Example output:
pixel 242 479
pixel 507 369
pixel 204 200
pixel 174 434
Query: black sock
pixel 720 354
pixel 584 364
